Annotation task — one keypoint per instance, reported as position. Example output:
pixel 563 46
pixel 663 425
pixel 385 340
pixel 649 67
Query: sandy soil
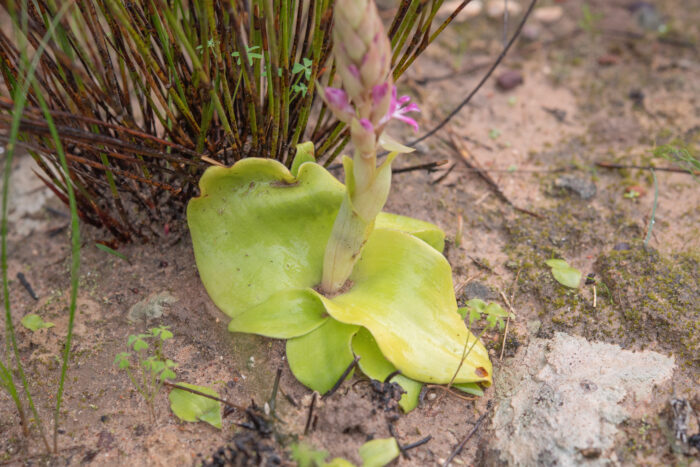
pixel 595 78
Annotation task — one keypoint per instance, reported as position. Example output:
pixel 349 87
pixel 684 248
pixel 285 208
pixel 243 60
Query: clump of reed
pixel 146 94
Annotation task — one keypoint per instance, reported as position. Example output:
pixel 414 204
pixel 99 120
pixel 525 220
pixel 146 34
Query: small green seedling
pixel 147 370
pixel 305 67
pixel 111 251
pixel 631 194
pixel 475 310
pixel 564 274
pixel 34 323
pixel 590 21
pixel 252 55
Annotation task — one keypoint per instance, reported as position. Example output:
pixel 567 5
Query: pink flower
pixel 398 108
pixel 338 102
pixel 383 104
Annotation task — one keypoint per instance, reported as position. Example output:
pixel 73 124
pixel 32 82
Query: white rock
pixel 28 196
pixel 471 10
pixel 152 306
pixel 566 396
pixel 548 14
pixel 495 8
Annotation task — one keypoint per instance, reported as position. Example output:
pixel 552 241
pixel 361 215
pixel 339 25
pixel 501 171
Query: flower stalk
pixel 366 102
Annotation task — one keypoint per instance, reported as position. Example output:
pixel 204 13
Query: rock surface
pixel 548 14
pixel 152 306
pixel 470 10
pixel 28 197
pixel 584 188
pixel 561 400
pixel 496 8
pixel 480 290
pixel 509 79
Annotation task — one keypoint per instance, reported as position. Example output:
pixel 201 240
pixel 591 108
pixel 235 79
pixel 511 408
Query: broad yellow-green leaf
pixel 470 388
pixel 307 456
pixel 402 293
pixel 339 462
pixel 319 358
pixel 376 366
pixel 288 313
pixel 192 407
pixel 379 452
pixel 426 231
pixel 258 230
pixel 259 236
pixel 305 153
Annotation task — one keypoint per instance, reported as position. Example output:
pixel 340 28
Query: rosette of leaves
pixel 259 233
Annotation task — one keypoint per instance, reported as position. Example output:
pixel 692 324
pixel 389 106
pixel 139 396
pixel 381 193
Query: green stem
pixel 465 354
pixel 367 189
pixel 20 101
pixel 652 220
pixel 75 260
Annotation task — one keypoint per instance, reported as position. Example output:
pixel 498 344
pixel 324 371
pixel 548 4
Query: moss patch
pixel 643 299
pixel 656 297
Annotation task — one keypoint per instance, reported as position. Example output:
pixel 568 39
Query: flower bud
pixel 363 137
pixel 361 48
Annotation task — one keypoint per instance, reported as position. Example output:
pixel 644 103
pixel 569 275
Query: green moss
pixel 644 298
pixel 658 297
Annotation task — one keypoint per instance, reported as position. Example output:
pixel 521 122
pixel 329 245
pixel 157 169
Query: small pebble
pixel 432 396
pixel 608 60
pixel 646 16
pixel 509 79
pixel 531 32
pixel 548 14
pixel 471 10
pixel 640 191
pixel 584 188
pixel 480 290
pixel 496 8
pixel 637 96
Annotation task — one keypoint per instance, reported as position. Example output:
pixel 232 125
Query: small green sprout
pixel 147 372
pixel 681 156
pixel 631 194
pixel 34 323
pixel 112 252
pixel 300 88
pixel 252 55
pixel 211 43
pixel 477 309
pixel 564 274
pixel 305 66
pixel 589 21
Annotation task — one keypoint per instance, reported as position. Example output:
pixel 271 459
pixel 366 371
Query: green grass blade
pixel 20 99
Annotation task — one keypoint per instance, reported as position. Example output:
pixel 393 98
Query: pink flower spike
pixel 408 120
pixel 400 107
pixel 339 103
pixel 379 92
pixel 367 125
pixel 352 68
